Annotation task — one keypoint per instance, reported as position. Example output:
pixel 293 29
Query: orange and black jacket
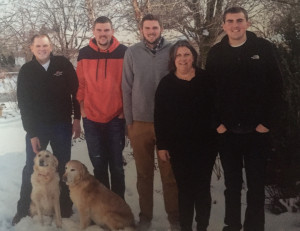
pixel 100 74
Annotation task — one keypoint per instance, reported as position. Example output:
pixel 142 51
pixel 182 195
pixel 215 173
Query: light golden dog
pixel 94 201
pixel 45 187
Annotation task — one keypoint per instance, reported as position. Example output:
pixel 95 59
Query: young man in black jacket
pixel 46 92
pixel 248 91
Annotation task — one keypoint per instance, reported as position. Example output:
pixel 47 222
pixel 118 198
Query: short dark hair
pixel 39 36
pixel 173 51
pixel 235 10
pixel 102 19
pixel 151 17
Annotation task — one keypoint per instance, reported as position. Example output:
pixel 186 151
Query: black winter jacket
pixel 248 83
pixel 183 113
pixel 47 96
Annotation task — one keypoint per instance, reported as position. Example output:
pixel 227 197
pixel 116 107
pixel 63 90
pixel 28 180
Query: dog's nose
pixel 42 162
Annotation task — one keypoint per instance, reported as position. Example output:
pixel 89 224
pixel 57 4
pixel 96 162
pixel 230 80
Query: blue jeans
pixel 105 142
pixel 59 136
pixel 249 151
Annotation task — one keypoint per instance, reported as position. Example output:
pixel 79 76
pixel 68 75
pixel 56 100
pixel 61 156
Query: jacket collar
pixel 157 46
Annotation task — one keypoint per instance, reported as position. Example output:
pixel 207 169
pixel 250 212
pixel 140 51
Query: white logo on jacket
pixel 255 57
pixel 58 73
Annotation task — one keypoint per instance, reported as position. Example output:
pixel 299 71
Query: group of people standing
pixel 169 105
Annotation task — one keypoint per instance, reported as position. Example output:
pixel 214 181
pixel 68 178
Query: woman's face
pixel 184 59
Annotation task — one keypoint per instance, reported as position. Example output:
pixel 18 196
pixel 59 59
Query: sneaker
pixel 17 218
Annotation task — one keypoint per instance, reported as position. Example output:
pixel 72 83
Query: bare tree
pixel 108 8
pixel 65 21
pixel 90 10
pixel 69 21
pixel 17 25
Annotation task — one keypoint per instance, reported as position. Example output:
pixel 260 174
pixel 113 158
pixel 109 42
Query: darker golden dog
pixel 94 201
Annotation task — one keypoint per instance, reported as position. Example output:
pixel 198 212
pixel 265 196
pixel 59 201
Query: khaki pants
pixel 142 139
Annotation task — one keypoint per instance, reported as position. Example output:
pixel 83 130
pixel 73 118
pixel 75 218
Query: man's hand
pixel 163 155
pixel 221 129
pixel 121 116
pixel 261 129
pixel 76 129
pixel 35 143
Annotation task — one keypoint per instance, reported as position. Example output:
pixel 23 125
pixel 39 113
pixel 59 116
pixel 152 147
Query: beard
pixel 104 44
pixel 154 42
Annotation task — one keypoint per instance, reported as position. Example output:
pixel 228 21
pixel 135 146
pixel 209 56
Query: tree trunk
pixel 90 9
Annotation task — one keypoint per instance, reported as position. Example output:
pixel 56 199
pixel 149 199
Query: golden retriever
pixel 94 201
pixel 45 187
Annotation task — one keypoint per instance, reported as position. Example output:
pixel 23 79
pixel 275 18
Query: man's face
pixel 235 26
pixel 103 33
pixel 41 48
pixel 151 31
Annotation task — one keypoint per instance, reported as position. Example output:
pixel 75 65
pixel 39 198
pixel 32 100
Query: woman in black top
pixel 183 127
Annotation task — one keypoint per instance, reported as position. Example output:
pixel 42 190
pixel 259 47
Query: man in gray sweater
pixel 145 64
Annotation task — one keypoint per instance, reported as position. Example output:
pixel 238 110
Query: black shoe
pixel 17 218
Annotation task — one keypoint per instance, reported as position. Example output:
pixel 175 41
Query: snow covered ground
pixel 12 159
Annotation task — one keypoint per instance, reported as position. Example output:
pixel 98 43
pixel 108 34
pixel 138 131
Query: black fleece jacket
pixel 47 96
pixel 248 83
pixel 183 113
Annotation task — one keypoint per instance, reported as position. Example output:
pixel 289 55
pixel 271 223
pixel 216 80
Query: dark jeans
pixel 249 151
pixel 105 142
pixel 192 170
pixel 59 136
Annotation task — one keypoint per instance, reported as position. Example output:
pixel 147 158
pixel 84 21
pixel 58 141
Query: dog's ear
pixel 84 170
pixel 35 166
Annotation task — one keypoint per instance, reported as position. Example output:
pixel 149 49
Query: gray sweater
pixel 142 72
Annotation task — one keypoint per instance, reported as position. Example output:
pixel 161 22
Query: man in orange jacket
pixel 99 71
